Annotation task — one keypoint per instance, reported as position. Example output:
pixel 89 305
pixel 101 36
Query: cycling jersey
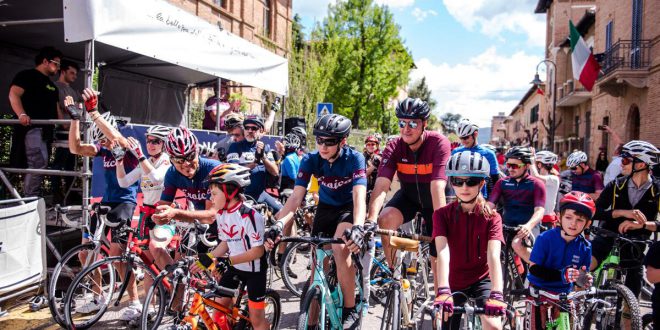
pixel 336 180
pixel 114 193
pixel 243 229
pixel 467 237
pixel 151 184
pixel 243 153
pixel 589 182
pixel 196 189
pixel 552 251
pixel 519 198
pixel 490 157
pixel 416 170
pixel 551 191
pixel 290 166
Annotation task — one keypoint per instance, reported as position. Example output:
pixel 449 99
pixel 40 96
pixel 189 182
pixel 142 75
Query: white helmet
pixel 576 159
pixel 181 142
pixel 547 157
pixel 641 150
pixel 468 163
pixel 489 147
pixel 159 131
pixel 466 128
pixel 97 134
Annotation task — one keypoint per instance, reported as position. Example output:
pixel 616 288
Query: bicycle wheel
pixel 624 301
pixel 380 276
pixel 309 313
pixel 273 309
pixel 297 263
pixel 63 274
pixel 392 312
pixel 97 308
pixel 155 304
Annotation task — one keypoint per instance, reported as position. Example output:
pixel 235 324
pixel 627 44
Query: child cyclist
pixel 240 255
pixel 468 237
pixel 561 256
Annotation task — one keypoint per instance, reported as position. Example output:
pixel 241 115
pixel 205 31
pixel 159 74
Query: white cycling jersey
pixel 151 184
pixel 243 229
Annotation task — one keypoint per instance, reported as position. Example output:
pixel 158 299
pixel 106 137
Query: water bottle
pixel 407 294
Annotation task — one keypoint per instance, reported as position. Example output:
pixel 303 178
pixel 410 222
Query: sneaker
pixel 91 306
pixel 131 312
pixel 351 319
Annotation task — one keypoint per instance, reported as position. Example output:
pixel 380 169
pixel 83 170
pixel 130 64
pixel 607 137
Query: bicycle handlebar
pixel 568 297
pixel 622 237
pixel 403 235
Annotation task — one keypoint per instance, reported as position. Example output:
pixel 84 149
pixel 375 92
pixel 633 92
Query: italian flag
pixel 585 67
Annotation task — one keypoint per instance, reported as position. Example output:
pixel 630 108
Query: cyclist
pixel 372 157
pixel 256 155
pixel 583 177
pixel 341 175
pixel 418 157
pixel 468 132
pixel 240 255
pixel 561 256
pixel 234 127
pixel 151 175
pixel 109 146
pixel 522 197
pixel 629 204
pixel 291 162
pixel 542 168
pixel 468 237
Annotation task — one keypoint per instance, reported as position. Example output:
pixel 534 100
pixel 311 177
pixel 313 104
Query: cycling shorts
pixel 328 217
pixel 255 282
pixel 121 213
pixel 479 291
pixel 409 209
pixel 146 224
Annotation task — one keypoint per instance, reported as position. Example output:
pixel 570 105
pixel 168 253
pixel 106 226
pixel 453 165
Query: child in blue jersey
pixel 561 255
pixel 240 255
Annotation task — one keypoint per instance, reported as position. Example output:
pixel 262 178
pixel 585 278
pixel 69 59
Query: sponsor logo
pixel 229 231
pixel 334 183
pixel 576 259
pixel 256 237
pixel 109 163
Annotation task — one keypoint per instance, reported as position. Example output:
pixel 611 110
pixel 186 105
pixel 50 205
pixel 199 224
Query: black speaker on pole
pixel 292 122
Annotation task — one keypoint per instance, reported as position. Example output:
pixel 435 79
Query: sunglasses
pixel 411 124
pixel 182 160
pixel 466 137
pixel 371 144
pixel 154 141
pixel 237 135
pixel 574 168
pixel 55 62
pixel 627 160
pixel 327 142
pixel 251 128
pixel 470 182
pixel 512 165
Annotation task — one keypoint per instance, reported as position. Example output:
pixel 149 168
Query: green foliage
pixel 419 89
pixel 196 116
pixel 450 121
pixel 244 101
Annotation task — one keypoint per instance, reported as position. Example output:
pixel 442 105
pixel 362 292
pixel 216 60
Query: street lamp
pixel 537 81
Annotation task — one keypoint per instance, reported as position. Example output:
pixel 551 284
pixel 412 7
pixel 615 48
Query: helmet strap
pixel 228 197
pixel 635 161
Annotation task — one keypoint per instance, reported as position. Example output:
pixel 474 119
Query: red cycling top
pixel 416 170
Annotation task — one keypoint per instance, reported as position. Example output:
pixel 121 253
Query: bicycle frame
pixel 198 308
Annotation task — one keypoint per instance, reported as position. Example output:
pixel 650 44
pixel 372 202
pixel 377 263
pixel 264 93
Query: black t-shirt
pixel 653 259
pixel 40 97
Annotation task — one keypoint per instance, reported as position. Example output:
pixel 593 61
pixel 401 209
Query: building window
pixel 633 123
pixel 221 3
pixel 576 127
pixel 268 18
pixel 534 114
pixel 608 35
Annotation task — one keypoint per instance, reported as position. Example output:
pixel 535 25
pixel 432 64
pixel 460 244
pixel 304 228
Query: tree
pixel 450 121
pixel 420 89
pixel 371 61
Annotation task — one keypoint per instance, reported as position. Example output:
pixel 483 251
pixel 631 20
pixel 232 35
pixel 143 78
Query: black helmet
pixel 411 108
pixel 523 154
pixel 332 125
pixel 255 120
pixel 302 134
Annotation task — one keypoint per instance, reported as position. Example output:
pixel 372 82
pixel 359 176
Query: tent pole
pixel 86 177
pixel 186 108
pixel 216 89
pixel 283 115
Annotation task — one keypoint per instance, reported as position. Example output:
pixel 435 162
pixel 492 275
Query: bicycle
pixel 404 301
pixel 604 313
pixel 515 270
pixel 71 263
pixel 469 311
pixel 561 312
pixel 295 265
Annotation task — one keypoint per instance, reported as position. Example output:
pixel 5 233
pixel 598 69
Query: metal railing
pixel 627 55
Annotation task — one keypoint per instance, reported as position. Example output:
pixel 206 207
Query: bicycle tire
pixel 624 296
pixel 291 256
pixel 156 288
pixel 647 322
pixel 377 294
pixel 313 295
pixel 55 303
pixel 392 313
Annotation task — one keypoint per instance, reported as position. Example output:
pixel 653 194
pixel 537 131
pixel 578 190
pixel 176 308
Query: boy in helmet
pixel 240 255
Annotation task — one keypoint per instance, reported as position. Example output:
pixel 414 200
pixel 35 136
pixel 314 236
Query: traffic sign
pixel 323 109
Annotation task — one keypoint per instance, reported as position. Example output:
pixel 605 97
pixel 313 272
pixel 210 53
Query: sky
pixel 478 56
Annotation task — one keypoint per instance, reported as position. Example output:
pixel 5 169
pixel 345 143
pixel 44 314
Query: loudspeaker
pixel 290 123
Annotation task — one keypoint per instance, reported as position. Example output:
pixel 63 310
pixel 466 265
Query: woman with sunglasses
pixel 583 177
pixel 468 237
pixel 543 168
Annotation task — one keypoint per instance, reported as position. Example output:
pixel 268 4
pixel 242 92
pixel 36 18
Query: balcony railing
pixel 626 55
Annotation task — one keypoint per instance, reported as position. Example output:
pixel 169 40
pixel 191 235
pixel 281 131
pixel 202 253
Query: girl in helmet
pixel 468 238
pixel 240 255
pixel 542 168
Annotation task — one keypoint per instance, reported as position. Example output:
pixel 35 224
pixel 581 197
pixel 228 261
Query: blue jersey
pixel 290 166
pixel 486 153
pixel 196 189
pixel 552 251
pixel 336 180
pixel 113 192
pixel 243 153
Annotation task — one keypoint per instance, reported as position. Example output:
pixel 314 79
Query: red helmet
pixel 371 138
pixel 578 201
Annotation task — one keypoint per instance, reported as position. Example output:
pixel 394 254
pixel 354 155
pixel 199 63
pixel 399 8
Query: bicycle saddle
pixel 404 244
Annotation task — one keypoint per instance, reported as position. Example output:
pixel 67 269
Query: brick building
pixel 624 35
pixel 266 23
pixel 523 126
